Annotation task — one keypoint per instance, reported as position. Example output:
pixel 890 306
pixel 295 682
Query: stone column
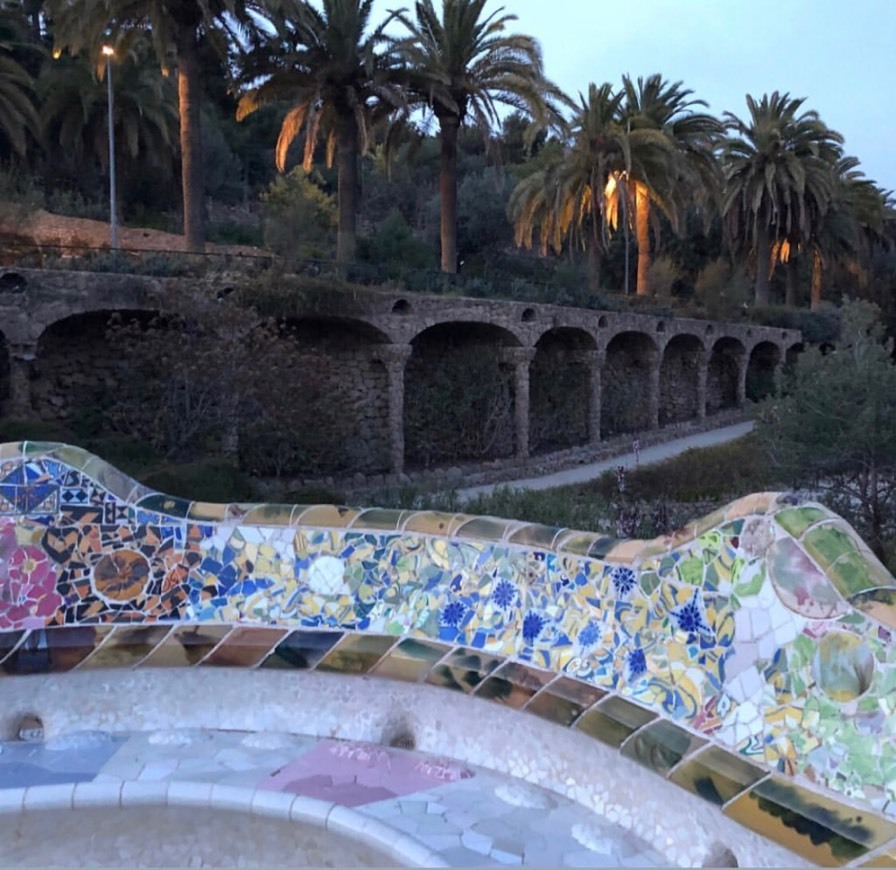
pixel 702 376
pixel 653 394
pixel 394 357
pixel 743 364
pixel 521 358
pixel 595 362
pixel 21 367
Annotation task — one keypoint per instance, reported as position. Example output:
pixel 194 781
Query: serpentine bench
pixel 748 658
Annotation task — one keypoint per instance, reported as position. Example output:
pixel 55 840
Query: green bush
pixel 818 327
pixel 214 480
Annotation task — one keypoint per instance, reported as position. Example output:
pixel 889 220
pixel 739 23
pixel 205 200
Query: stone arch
pixel 338 388
pixel 680 372
pixel 765 357
pixel 459 401
pixel 559 389
pixel 627 400
pixel 76 371
pixel 723 374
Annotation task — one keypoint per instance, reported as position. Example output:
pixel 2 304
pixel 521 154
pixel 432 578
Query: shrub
pixel 212 480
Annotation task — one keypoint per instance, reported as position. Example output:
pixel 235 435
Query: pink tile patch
pixel 353 774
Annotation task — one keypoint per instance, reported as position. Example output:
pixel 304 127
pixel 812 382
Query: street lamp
pixel 109 53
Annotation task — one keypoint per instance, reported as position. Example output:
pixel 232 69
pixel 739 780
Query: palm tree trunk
pixel 642 228
pixel 189 99
pixel 817 268
pixel 793 269
pixel 763 262
pixel 347 187
pixel 448 127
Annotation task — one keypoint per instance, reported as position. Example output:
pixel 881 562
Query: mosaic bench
pixel 747 658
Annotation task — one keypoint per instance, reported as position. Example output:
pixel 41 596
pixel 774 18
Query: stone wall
pixel 679 380
pixel 626 384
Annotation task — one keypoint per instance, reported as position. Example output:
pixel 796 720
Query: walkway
pixel 647 456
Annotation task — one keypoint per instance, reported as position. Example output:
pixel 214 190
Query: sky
pixel 840 56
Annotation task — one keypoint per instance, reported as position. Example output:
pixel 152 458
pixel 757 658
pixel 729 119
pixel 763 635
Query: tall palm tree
pixel 17 113
pixel 74 109
pixel 462 64
pixel 588 189
pixel 655 104
pixel 852 224
pixel 778 174
pixel 338 79
pixel 176 28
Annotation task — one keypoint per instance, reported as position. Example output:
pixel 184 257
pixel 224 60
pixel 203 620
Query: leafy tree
pixel 834 426
pixel 299 217
pixel 176 29
pixel 779 177
pixel 337 79
pixel 461 65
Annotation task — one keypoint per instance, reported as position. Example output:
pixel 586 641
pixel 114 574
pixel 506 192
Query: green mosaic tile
pixel 127 647
pixel 484 529
pixel 564 700
pixel 577 543
pixel 716 775
pixel 270 515
pixel 812 825
pixel 302 650
pixel 796 520
pixel 614 720
pixel 326 516
pixel 380 519
pixel 535 535
pixel 829 542
pixel 115 481
pixel 410 660
pixel 858 572
pixel 165 504
pixel 660 746
pixel 602 546
pixel 206 511
pixel 879 604
pixel 356 653
pixel 432 523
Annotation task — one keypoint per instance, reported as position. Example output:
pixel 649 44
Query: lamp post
pixel 109 53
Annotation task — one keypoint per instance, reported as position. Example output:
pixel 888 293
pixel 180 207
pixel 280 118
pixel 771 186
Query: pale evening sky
pixel 840 55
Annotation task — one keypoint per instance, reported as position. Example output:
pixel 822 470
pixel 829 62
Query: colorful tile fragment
pixel 756 642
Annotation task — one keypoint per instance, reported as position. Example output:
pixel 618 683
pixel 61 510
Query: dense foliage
pixel 630 187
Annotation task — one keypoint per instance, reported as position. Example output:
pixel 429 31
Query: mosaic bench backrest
pixel 748 657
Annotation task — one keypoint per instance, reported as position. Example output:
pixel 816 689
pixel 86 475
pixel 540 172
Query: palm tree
pixel 74 109
pixel 779 176
pixel 17 114
pixel 655 104
pixel 461 65
pixel 338 81
pixel 176 28
pixel 853 223
pixel 589 188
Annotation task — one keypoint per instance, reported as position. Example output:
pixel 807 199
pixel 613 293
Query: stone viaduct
pixel 573 377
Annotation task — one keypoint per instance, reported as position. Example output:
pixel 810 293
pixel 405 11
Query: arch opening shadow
pixel 559 390
pixel 723 374
pixel 625 384
pixel 683 358
pixel 459 402
pixel 764 360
